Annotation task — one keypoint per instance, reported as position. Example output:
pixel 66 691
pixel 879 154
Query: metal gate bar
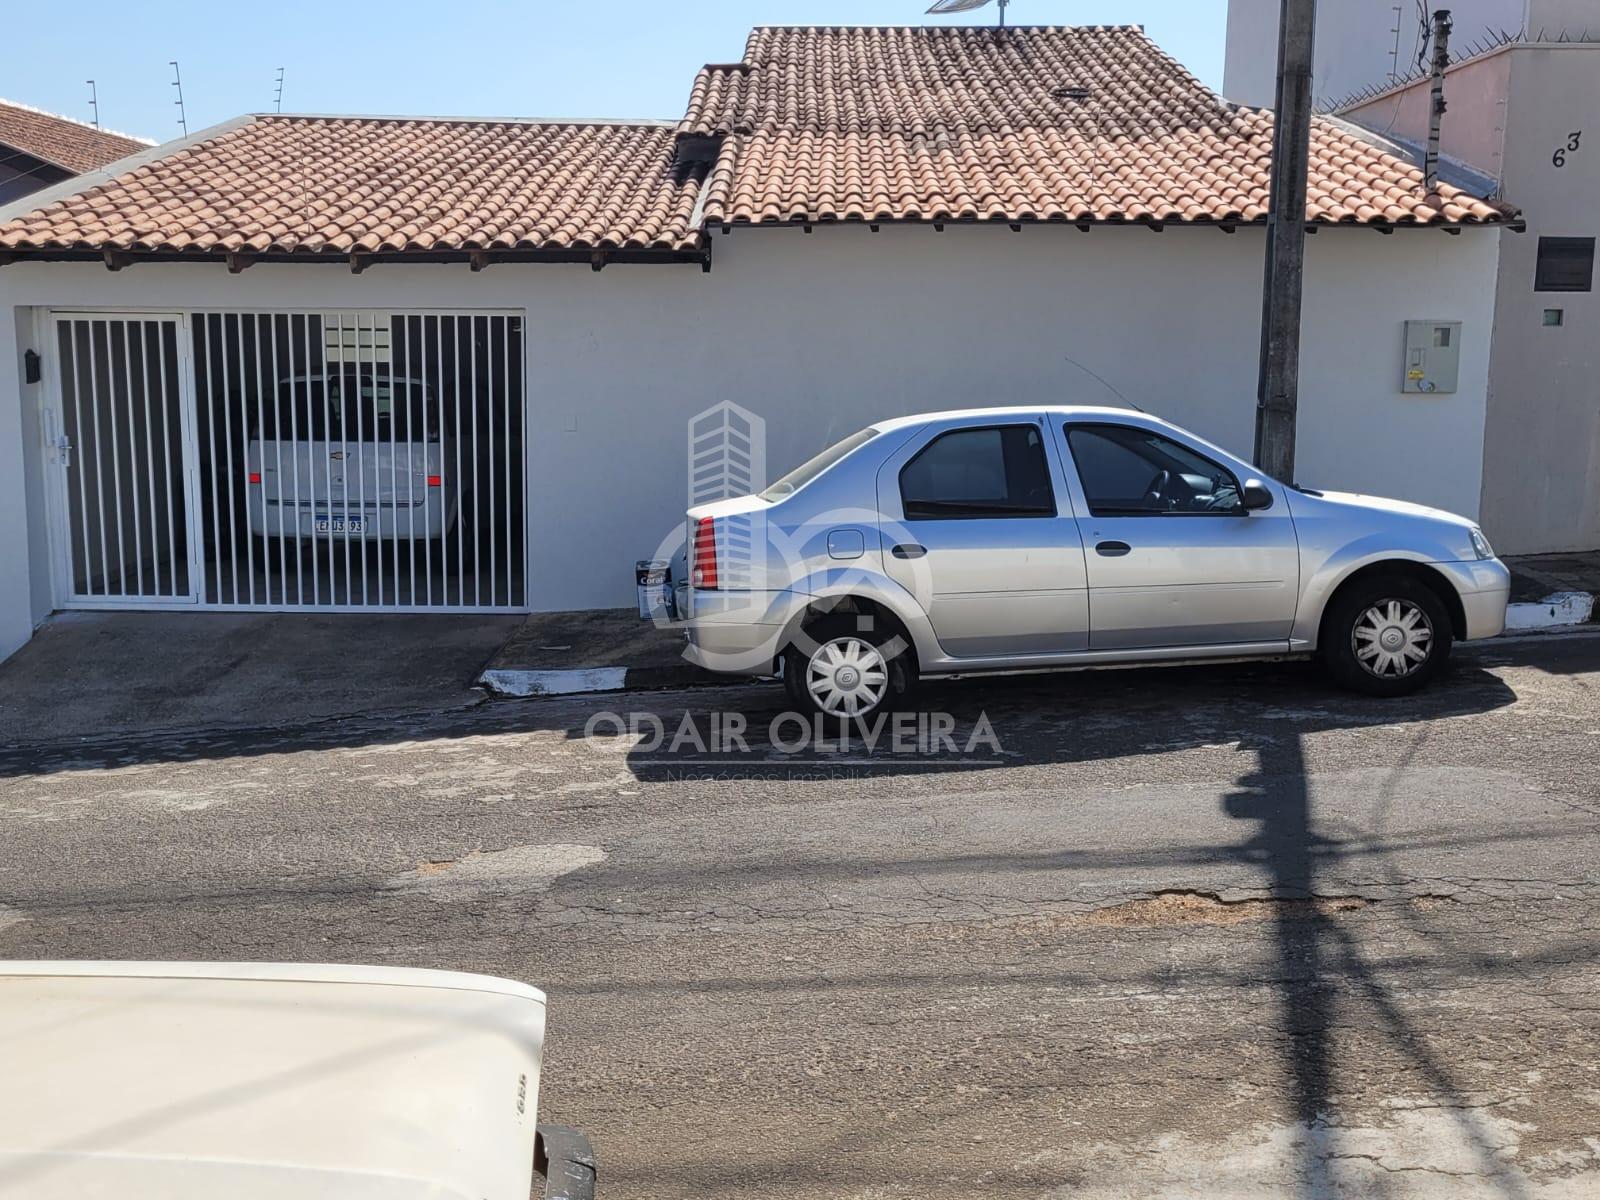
pixel 361 461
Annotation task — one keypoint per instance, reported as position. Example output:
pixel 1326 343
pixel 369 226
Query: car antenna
pixel 1108 385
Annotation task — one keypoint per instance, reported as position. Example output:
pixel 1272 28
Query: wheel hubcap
pixel 847 677
pixel 1392 638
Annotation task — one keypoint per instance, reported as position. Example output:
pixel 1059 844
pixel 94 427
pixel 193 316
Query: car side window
pixel 1128 471
pixel 996 471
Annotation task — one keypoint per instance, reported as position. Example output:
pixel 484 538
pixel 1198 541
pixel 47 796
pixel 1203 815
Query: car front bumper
pixel 1484 586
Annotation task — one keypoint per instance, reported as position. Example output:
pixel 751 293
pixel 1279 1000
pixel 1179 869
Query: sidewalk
pixel 1535 576
pixel 602 650
pixel 1552 590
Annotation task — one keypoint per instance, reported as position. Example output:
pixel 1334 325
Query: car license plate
pixel 341 525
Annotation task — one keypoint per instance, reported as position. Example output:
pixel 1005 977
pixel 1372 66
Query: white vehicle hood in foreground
pixel 196 1081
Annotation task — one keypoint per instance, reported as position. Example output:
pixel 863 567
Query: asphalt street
pixel 1188 933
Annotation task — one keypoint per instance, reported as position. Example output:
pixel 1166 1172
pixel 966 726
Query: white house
pixel 848 224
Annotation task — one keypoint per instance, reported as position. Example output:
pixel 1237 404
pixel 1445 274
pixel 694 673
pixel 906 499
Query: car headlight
pixel 1480 544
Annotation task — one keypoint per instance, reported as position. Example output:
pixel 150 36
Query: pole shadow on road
pixel 1318 961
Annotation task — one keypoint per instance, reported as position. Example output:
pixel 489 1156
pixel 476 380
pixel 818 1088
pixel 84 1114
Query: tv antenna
pixel 177 82
pixel 941 7
pixel 94 102
pixel 277 100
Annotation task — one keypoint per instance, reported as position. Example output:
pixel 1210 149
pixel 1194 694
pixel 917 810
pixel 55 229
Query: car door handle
pixel 1112 549
pixel 909 550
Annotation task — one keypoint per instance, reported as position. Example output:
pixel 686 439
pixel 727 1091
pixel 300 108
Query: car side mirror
pixel 1256 496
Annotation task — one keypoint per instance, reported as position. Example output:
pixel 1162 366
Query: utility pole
pixel 1277 391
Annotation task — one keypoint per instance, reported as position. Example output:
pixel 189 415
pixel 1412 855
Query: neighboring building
pixel 1523 109
pixel 849 224
pixel 1366 44
pixel 38 149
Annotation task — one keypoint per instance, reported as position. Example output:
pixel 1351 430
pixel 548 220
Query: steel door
pixel 120 434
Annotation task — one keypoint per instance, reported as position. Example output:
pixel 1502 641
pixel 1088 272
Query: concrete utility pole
pixel 1277 393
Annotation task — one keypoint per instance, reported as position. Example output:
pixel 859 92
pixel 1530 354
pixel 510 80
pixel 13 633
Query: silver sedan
pixel 999 540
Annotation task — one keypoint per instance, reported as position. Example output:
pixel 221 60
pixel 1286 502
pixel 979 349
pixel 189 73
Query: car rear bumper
pixel 738 633
pixel 1484 586
pixel 419 523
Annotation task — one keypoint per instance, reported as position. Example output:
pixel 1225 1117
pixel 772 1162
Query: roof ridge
pixel 1098 26
pixel 421 119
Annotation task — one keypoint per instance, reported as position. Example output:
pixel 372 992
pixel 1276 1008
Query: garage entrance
pixel 274 461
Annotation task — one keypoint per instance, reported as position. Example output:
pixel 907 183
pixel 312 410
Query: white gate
pixel 351 461
pixel 120 433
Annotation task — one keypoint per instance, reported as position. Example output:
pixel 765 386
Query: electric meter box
pixel 1433 357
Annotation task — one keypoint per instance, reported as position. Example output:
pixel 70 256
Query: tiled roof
pixel 303 186
pixel 1090 123
pixel 68 144
pixel 888 124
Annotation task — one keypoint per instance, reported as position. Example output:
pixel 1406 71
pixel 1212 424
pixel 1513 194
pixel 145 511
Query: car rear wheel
pixel 1386 636
pixel 844 667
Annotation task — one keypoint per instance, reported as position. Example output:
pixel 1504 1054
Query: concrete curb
pixel 522 684
pixel 1553 612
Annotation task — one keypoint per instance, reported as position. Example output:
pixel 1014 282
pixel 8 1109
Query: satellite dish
pixel 940 7
pixel 959 6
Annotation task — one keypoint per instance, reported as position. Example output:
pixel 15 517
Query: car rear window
pixel 811 468
pixel 373 408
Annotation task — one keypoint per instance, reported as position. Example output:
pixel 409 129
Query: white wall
pixel 821 334
pixel 21 518
pixel 1542 458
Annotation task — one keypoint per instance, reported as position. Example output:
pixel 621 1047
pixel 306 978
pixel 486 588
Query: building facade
pixel 1523 102
pixel 562 301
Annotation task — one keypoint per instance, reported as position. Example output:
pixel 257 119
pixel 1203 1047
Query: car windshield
pixel 350 406
pixel 811 468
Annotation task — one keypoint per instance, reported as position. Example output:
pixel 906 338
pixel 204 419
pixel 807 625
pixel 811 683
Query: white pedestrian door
pixel 121 438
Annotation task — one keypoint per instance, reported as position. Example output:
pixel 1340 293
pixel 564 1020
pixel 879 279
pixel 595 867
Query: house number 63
pixel 1559 158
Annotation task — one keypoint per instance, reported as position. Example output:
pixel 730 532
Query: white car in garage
pixel 354 452
pixel 270 1081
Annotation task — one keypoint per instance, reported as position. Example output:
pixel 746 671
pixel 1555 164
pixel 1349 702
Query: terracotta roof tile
pixel 315 185
pixel 816 124
pixel 1045 123
pixel 70 145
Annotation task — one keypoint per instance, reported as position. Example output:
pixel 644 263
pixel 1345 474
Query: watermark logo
pixel 728 459
pixel 727 454
pixel 758 558
pixel 697 737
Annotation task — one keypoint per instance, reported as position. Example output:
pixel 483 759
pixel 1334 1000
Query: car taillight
pixel 704 573
pixel 435 480
pixel 255 477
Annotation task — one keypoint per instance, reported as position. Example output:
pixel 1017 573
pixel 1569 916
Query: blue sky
pixel 617 58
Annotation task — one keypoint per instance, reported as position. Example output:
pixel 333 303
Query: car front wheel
pixel 1386 636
